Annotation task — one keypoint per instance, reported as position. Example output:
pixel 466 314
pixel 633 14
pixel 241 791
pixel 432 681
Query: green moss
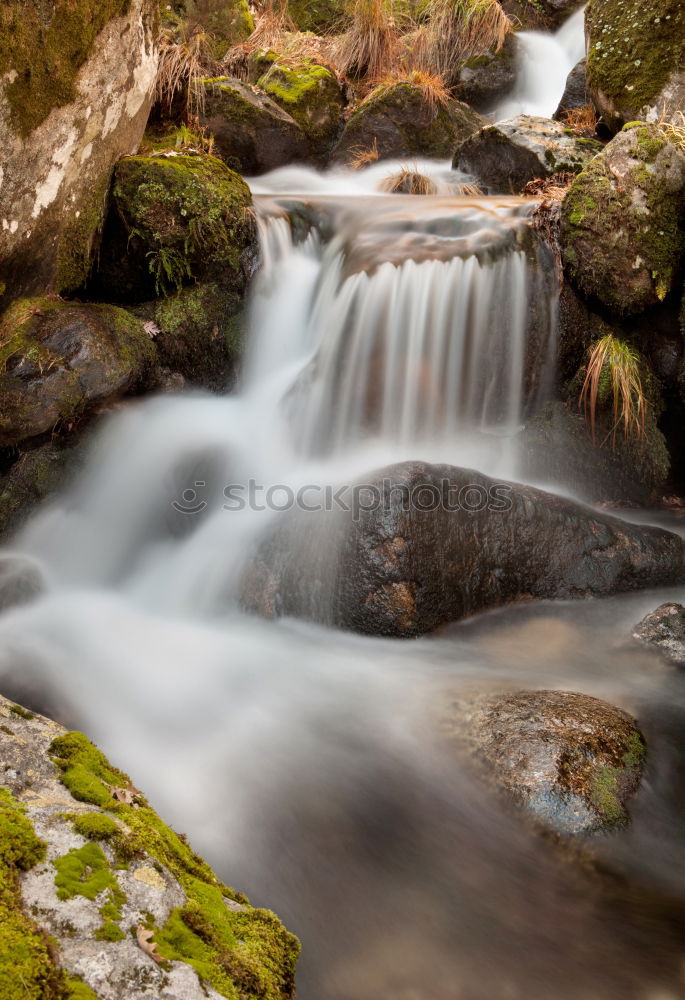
pixel 77 990
pixel 43 45
pixel 227 21
pixel 27 971
pixel 84 871
pixel 78 240
pixel 634 757
pixel 319 16
pixel 21 712
pixel 633 49
pixel 95 826
pixel 85 771
pixel 312 96
pixel 243 952
pixel 605 794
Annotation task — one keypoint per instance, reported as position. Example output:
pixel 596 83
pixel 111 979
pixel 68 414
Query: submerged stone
pixel 664 629
pixel 569 761
pixel 100 898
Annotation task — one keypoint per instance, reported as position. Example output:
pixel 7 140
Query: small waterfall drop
pixel 543 63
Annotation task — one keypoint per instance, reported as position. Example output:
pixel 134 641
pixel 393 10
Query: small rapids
pixel 309 765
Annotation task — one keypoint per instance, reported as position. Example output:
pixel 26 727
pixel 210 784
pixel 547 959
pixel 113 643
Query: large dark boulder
pixel 484 78
pixel 622 236
pixel 636 60
pixel 664 629
pixel 540 15
pixel 568 761
pixel 312 95
pixel 400 120
pixel 506 155
pixel 59 359
pixel 403 561
pixel 252 133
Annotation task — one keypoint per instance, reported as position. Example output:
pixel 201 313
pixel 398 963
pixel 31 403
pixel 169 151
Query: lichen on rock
pixel 311 94
pixel 120 906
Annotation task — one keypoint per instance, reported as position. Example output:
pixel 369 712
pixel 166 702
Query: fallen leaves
pixel 146 944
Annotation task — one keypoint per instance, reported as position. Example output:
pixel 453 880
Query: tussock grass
pixel 433 88
pixel 613 373
pixel 409 181
pixel 456 30
pixel 185 58
pixel 371 45
pixel 271 23
pixel 469 190
pixel 673 129
pixel 363 157
pixel 583 121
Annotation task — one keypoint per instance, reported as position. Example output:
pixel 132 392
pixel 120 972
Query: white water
pixel 543 63
pixel 304 762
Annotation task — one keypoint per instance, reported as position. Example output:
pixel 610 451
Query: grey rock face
pixel 664 629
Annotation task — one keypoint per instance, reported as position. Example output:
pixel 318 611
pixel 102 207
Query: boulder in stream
pixel 101 900
pixel 422 545
pixel 252 133
pixel 622 237
pixel 569 761
pixel 664 629
pixel 400 120
pixel 575 92
pixel 506 155
pixel 312 95
pixel 485 77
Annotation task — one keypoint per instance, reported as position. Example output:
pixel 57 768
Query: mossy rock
pixel 252 133
pixel 569 762
pixel 320 16
pixel 635 59
pixel 58 359
pixel 484 78
pixel 508 154
pixel 33 476
pixel 229 22
pixel 398 120
pixel 312 95
pixel 199 334
pixel 622 236
pixel 175 219
pixel 95 887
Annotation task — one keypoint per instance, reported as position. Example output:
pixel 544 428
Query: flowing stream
pixel 308 765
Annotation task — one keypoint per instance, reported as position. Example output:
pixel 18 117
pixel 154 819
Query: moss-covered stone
pixel 199 334
pixel 252 133
pixel 32 477
pixel 635 53
pixel 312 95
pixel 320 16
pixel 95 826
pixel 399 120
pixel 227 21
pixel 242 952
pixel 175 219
pixel 622 235
pixel 57 359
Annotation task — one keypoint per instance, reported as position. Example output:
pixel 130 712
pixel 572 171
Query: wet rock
pixel 621 233
pixel 484 78
pixel 399 121
pixel 543 15
pixel 422 545
pixel 198 335
pixel 252 133
pixel 176 218
pixel 568 761
pixel 21 579
pixel 76 91
pixel 98 891
pixel 557 449
pixel 312 95
pixel 664 629
pixel 507 155
pixel 635 60
pixel 33 476
pixel 575 92
pixel 60 359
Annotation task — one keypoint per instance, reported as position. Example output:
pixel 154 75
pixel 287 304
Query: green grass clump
pixel 95 826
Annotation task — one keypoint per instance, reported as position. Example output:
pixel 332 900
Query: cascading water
pixel 543 63
pixel 308 764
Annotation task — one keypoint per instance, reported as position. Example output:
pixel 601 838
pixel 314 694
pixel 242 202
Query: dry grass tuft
pixel 432 86
pixel 456 30
pixel 185 58
pixel 468 190
pixel 362 157
pixel 550 188
pixel 583 121
pixel 271 23
pixel 674 128
pixel 371 45
pixel 409 181
pixel 613 371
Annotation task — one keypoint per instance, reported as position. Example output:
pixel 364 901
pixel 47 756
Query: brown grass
pixel 432 86
pixel 469 190
pixel 674 128
pixel 455 31
pixel 613 369
pixel 583 120
pixel 271 23
pixel 362 157
pixel 408 181
pixel 550 188
pixel 371 45
pixel 184 59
